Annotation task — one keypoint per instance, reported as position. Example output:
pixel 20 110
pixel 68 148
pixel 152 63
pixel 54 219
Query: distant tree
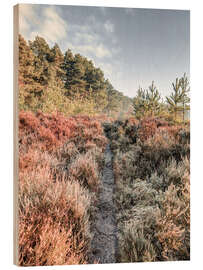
pixel 84 80
pixel 140 103
pixel 41 49
pixel 176 98
pixel 50 80
pixel 153 100
pixel 147 102
pixel 68 69
pixel 43 57
pixel 80 74
pixel 73 74
pixel 30 88
pixel 162 110
pixel 185 89
pixel 113 103
pixel 94 78
pixel 126 103
pixel 78 80
pixel 57 62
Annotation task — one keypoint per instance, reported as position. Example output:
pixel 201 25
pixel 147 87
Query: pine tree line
pixel 50 80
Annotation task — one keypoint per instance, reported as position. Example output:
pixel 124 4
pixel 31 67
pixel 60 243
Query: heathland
pixel 81 140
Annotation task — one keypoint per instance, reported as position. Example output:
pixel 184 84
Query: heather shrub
pixel 60 162
pixel 84 169
pixel 34 159
pixel 173 221
pixel 67 152
pixel 134 195
pixel 134 244
pixel 151 169
pixel 124 167
pixel 122 143
pixel 154 222
pixel 52 130
pixel 173 218
pixel 98 155
pixel 177 173
pixel 47 131
pixel 53 220
pixel 147 128
pixel 136 223
pixel 137 204
pixel 173 228
pixel 113 130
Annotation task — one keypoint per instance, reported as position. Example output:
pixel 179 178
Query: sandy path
pixel 104 242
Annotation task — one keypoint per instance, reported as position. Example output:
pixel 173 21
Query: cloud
pixel 27 11
pixel 24 25
pixel 107 68
pixel 85 37
pixel 102 51
pixel 54 27
pixel 91 39
pixel 109 27
pixel 27 17
pixel 46 23
pixel 91 50
pixel 94 38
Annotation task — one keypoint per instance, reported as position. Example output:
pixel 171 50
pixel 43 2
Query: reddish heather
pixel 149 126
pixel 55 202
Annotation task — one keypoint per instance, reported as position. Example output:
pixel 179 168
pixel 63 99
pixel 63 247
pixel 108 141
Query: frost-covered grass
pixel 152 176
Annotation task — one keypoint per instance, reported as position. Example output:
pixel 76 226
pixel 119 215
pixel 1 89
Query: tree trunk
pixel 175 112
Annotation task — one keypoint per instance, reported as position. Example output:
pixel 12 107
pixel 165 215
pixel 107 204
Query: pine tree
pixel 153 100
pixel 113 103
pixel 74 71
pixel 58 60
pixel 147 102
pixel 41 49
pixel 30 89
pixel 50 81
pixel 175 99
pixel 43 58
pixel 185 88
pixel 68 69
pixel 78 81
pixel 140 103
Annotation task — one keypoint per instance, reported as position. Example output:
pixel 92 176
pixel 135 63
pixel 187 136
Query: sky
pixel 133 47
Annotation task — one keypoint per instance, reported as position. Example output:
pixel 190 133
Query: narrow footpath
pixel 104 242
